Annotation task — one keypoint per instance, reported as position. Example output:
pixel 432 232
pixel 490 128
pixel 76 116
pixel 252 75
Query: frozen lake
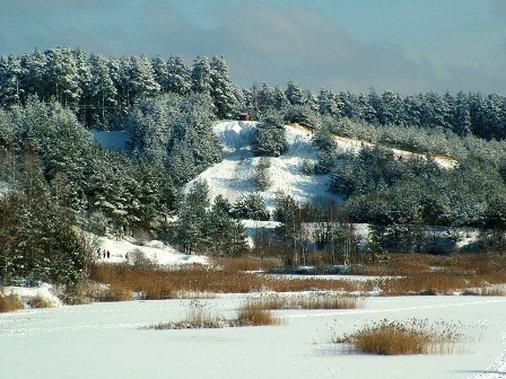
pixel 103 340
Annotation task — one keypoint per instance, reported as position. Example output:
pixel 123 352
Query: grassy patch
pixel 40 301
pixel 10 303
pixel 397 338
pixel 247 263
pixel 156 283
pixel 313 301
pixel 252 313
pixel 115 292
pixel 199 316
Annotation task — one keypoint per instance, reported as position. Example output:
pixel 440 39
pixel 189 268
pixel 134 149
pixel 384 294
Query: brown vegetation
pixel 10 303
pixel 39 301
pixel 156 283
pixel 252 313
pixel 115 292
pixel 317 301
pixel 413 337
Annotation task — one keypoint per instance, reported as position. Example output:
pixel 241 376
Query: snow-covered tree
pixel 222 89
pixel 11 73
pixel 178 76
pixel 269 138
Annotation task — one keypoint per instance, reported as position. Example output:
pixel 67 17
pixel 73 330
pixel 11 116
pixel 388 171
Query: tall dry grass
pixel 156 283
pixel 313 301
pixel 40 301
pixel 413 337
pixel 10 303
pixel 252 313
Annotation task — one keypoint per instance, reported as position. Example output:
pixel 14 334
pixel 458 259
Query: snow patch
pixel 156 251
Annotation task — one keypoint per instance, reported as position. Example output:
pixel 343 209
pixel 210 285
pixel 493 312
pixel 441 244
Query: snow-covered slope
pixel 233 177
pixel 120 250
pixel 345 144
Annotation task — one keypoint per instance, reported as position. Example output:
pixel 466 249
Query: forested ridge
pixel 60 177
pixel 100 88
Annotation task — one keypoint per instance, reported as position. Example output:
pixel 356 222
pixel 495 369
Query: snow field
pixel 106 340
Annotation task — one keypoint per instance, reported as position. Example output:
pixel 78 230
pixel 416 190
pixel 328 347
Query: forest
pixel 61 178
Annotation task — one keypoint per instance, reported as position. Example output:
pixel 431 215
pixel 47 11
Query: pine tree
pixel 142 83
pixel 222 89
pixel 161 73
pixel 269 138
pixel 63 76
pixel 11 73
pixel 192 218
pixel 102 90
pixel 178 76
pixel 201 76
pixel 295 94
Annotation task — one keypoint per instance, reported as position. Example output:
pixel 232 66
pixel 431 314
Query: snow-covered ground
pixel 233 177
pixel 121 250
pixel 104 340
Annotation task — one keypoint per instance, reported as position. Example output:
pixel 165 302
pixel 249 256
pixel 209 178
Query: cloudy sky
pixel 402 45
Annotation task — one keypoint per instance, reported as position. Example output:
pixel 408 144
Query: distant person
pixel 108 254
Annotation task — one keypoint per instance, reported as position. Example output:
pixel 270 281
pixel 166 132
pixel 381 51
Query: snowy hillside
pixel 121 250
pixel 233 177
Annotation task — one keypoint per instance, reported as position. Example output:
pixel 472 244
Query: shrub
pixel 251 207
pixel 412 337
pixel 261 177
pixel 116 292
pixel 138 258
pixel 270 138
pixel 252 313
pixel 40 301
pixel 10 303
pixel 198 317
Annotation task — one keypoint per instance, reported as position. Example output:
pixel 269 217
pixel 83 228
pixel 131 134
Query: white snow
pixel 156 251
pixel 105 340
pixel 233 177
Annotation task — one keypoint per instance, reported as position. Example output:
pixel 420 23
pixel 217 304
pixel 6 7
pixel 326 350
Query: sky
pixel 401 45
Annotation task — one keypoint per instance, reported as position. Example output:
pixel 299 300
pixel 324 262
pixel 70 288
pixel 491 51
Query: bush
pixel 40 301
pixel 138 258
pixel 116 292
pixel 10 303
pixel 252 313
pixel 261 177
pixel 413 337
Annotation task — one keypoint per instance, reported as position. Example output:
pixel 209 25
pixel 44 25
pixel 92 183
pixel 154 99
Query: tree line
pixel 102 88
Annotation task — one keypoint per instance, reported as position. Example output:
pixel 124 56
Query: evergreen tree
pixel 222 89
pixel 102 90
pixel 190 231
pixel 269 138
pixel 178 76
pixel 11 73
pixel 161 73
pixel 295 94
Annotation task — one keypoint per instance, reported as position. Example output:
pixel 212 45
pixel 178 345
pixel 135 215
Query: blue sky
pixel 400 45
